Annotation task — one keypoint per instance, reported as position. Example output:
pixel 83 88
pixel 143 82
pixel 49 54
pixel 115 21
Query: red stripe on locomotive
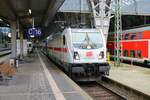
pixel 58 49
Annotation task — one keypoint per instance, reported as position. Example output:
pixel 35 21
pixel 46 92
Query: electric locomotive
pixel 81 53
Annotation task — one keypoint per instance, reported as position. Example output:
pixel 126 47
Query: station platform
pixel 5 58
pixel 132 76
pixel 39 79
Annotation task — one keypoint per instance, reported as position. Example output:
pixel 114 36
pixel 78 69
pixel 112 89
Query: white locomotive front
pixel 81 52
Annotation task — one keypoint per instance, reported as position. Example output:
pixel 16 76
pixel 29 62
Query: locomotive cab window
pixel 64 40
pixel 132 53
pixel 87 40
pixel 139 53
pixel 125 53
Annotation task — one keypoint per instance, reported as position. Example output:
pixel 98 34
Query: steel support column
pixel 13 43
pixel 118 34
pixel 101 13
pixel 21 45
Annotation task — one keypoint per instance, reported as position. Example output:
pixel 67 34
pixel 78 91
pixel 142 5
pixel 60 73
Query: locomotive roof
pixel 140 29
pixel 54 35
pixel 84 30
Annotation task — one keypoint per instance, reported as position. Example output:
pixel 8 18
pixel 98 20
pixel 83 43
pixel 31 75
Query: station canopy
pixel 41 10
pixel 135 7
pixel 129 7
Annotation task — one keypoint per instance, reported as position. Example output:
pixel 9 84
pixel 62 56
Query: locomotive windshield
pixel 87 40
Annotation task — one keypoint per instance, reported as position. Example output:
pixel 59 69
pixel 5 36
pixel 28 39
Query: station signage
pixel 32 32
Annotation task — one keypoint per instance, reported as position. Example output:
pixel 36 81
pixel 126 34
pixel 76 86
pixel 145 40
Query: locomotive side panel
pixel 58 48
pixel 52 48
pixel 68 45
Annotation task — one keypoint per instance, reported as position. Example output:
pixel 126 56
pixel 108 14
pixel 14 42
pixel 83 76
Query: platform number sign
pixel 33 32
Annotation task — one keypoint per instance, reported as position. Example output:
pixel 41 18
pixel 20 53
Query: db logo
pixel 89 54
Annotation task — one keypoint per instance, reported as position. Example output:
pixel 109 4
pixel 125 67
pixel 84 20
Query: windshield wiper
pixel 89 44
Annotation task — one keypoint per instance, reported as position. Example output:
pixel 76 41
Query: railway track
pixel 121 89
pixel 99 92
pixel 4 52
pixel 108 89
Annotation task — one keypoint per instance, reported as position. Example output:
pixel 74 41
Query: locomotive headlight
pixel 76 56
pixel 101 55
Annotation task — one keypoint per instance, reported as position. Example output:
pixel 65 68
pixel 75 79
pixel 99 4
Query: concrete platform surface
pixel 133 76
pixel 5 58
pixel 35 82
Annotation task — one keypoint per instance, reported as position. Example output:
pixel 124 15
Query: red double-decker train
pixel 135 45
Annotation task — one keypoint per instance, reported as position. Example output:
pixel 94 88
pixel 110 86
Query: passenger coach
pixel 135 45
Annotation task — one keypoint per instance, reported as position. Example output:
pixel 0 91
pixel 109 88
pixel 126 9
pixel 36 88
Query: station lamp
pixel 9 35
pixel 30 11
pixel 7 25
pixel 1 20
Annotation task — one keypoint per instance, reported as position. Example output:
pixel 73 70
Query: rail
pixel 123 90
pixel 99 92
pixel 4 52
